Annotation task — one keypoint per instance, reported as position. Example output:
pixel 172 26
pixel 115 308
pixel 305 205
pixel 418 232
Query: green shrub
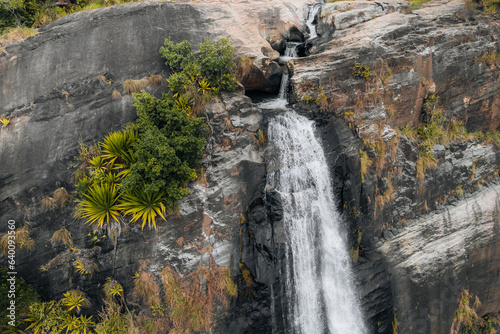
pixel 178 82
pixel 143 170
pixel 215 61
pixel 25 296
pixel 488 7
pixel 177 56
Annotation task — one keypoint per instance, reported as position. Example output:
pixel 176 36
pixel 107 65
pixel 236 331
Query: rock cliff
pixel 420 247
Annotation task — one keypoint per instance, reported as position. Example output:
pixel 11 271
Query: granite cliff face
pixel 418 250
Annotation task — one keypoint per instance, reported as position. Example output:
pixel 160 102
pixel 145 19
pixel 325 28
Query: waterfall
pixel 283 94
pixel 282 100
pixel 310 19
pixel 319 289
pixel 290 51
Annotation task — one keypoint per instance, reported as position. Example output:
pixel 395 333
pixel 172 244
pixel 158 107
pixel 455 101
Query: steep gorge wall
pixel 429 51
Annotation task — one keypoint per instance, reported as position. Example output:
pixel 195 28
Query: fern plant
pixel 99 205
pixel 144 206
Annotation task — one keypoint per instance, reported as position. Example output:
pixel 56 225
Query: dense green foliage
pixel 177 56
pixel 143 170
pixel 169 146
pixel 25 295
pixel 214 65
pixel 488 7
pixel 36 13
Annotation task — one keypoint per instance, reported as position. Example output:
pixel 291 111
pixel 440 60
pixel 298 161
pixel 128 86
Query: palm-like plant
pixel 44 317
pixel 78 325
pixel 112 289
pixel 97 163
pixel 144 205
pixel 118 146
pixel 99 204
pixel 85 267
pixel 74 300
pixel 184 104
pixel 4 121
pixel 204 86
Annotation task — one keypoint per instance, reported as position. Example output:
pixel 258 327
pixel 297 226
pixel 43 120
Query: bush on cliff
pixel 214 64
pixel 25 295
pixel 143 170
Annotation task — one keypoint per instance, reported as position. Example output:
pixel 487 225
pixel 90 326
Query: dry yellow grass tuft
pixel 62 236
pixel 62 196
pixel 131 86
pixel 155 80
pixel 116 95
pixel 102 79
pixel 365 164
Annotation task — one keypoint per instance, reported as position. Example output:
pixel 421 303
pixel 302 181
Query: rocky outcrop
pixel 447 251
pixel 431 50
pixel 411 56
pixel 418 250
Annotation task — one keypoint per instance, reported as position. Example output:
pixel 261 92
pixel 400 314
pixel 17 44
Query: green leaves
pixel 177 56
pixel 215 58
pixel 117 146
pixel 74 300
pixel 143 205
pixel 143 170
pixel 99 204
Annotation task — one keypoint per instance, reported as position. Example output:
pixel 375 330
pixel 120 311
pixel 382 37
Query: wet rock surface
pixel 417 252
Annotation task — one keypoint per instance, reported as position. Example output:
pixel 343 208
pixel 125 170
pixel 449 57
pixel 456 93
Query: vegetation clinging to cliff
pixel 143 170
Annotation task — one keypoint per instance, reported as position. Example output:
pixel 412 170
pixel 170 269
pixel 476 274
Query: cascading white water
pixel 282 100
pixel 320 292
pixel 310 19
pixel 290 52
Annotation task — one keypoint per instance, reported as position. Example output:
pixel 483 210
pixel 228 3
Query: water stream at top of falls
pixel 320 295
pixel 313 11
pixel 282 100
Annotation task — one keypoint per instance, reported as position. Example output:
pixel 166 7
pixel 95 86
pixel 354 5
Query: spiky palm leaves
pixel 85 267
pixel 99 205
pixel 112 289
pixel 101 198
pixel 74 300
pixel 51 317
pixel 117 147
pixel 143 205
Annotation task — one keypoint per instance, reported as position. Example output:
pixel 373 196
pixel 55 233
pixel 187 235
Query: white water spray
pixel 282 100
pixel 313 11
pixel 320 293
